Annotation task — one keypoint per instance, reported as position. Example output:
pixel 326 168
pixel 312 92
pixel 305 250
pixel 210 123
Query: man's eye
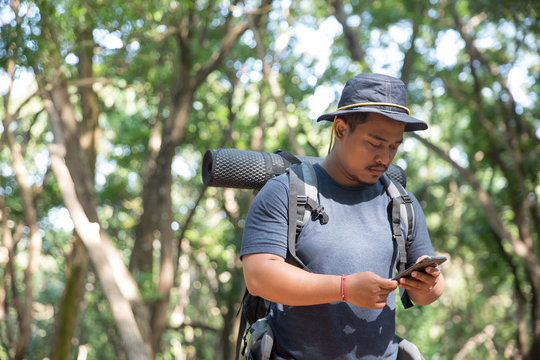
pixel 375 146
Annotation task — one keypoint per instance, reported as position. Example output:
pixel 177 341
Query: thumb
pixel 388 284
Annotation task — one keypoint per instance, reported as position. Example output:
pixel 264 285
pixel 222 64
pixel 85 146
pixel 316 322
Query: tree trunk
pixel 157 210
pixel 118 288
pixel 77 263
pixel 76 185
pixel 66 319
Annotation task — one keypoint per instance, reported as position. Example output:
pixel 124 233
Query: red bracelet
pixel 343 277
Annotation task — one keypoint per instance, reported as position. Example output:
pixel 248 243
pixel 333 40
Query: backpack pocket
pixel 261 340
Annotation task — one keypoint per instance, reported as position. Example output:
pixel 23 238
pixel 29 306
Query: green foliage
pixel 136 63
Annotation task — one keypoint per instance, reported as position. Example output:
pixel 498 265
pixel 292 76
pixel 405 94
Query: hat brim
pixel 411 123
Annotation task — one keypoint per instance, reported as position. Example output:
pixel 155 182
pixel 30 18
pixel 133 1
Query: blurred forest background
pixel 111 248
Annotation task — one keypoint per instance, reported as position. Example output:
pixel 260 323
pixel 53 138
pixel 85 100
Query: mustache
pixel 378 167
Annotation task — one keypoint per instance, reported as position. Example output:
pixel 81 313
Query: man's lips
pixel 379 170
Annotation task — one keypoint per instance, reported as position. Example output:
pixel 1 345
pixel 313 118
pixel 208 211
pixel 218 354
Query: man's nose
pixel 384 156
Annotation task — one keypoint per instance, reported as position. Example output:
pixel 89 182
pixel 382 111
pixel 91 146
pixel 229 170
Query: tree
pixel 140 327
pixel 125 98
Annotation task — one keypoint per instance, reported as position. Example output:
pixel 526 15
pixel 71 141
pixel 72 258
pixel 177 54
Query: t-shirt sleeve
pixel 266 224
pixel 422 243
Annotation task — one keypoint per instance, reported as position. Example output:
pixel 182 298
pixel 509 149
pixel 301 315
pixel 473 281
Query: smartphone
pixel 421 265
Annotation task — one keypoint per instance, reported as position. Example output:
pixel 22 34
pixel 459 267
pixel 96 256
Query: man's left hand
pixel 424 287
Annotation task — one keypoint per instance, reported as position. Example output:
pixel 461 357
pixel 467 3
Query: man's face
pixel 364 154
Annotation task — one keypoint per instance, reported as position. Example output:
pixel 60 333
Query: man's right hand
pixel 270 277
pixel 368 290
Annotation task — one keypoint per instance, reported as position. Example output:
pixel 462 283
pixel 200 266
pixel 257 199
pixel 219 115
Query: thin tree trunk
pixel 9 281
pixel 31 221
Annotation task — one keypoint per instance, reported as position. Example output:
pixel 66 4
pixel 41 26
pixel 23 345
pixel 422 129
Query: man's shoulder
pixel 274 191
pixel 277 183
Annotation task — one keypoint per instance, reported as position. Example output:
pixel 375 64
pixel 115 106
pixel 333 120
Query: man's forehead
pixel 382 128
pixel 385 138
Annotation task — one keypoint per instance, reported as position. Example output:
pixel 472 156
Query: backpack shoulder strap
pixel 251 309
pixel 303 204
pixel 241 337
pixel 288 156
pixel 402 214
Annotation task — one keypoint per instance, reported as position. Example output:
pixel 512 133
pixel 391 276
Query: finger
pixel 433 271
pixel 419 285
pixel 388 284
pixel 421 276
pixel 413 284
pixel 387 292
pixel 410 287
pixel 424 277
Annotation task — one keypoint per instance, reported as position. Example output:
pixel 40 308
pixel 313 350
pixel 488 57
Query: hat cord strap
pixel 332 134
pixel 376 104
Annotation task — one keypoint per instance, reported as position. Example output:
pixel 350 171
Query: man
pixel 341 308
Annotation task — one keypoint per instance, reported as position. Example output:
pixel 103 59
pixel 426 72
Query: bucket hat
pixel 376 93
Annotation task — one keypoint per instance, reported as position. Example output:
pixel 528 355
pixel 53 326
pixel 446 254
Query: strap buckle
pixel 318 210
pixel 301 200
pixel 406 199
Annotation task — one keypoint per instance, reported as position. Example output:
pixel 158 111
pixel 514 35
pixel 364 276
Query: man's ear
pixel 340 127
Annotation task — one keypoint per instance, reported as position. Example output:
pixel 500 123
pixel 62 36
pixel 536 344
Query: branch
pixel 465 32
pixel 187 223
pixel 215 60
pixel 351 38
pixel 195 325
pixel 271 78
pixel 410 54
pixel 231 37
pixel 483 337
pixel 521 249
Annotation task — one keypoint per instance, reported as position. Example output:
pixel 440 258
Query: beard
pixel 368 179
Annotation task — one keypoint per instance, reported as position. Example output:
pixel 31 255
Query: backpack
pixel 303 205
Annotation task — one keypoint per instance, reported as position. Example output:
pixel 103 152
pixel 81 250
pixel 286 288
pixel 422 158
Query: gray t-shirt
pixel 357 238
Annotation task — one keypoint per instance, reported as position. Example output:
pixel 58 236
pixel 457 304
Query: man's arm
pixel 270 277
